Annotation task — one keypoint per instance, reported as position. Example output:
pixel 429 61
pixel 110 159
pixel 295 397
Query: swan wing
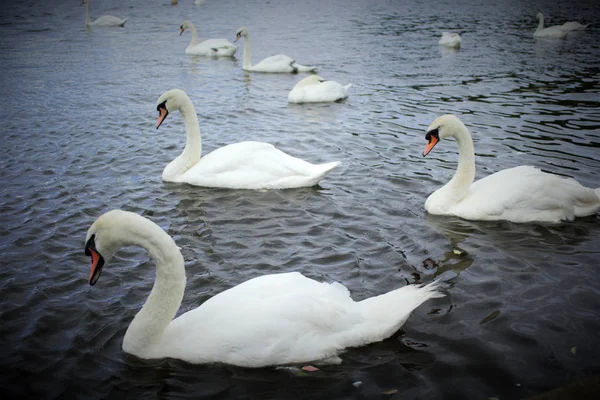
pixel 254 165
pixel 323 92
pixel 109 20
pixel 525 194
pixel 213 47
pixel 277 63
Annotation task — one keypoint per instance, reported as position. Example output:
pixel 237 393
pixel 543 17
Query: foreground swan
pixel 450 40
pixel 210 47
pixel 520 194
pixel 244 165
pixel 550 32
pixel 572 26
pixel 269 320
pixel 279 63
pixel 314 89
pixel 105 20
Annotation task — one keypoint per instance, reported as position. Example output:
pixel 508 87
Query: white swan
pixel 244 165
pixel 572 26
pixel 550 32
pixel 269 320
pixel 520 194
pixel 314 89
pixel 450 39
pixel 279 63
pixel 105 20
pixel 210 47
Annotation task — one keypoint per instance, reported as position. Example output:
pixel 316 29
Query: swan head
pixel 442 128
pixel 243 31
pixel 106 235
pixel 169 101
pixel 186 25
pixel 539 16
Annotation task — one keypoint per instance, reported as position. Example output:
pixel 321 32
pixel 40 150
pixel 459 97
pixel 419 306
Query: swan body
pixel 274 64
pixel 268 320
pixel 314 89
pixel 210 47
pixel 244 165
pixel 520 194
pixel 103 21
pixel 549 32
pixel 572 26
pixel 449 39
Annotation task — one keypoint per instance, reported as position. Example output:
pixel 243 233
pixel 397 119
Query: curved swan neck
pixel 247 62
pixel 465 172
pixel 149 324
pixel 541 23
pixel 194 41
pixel 193 140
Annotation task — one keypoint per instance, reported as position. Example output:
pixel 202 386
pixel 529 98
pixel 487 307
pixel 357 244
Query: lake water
pixel 522 311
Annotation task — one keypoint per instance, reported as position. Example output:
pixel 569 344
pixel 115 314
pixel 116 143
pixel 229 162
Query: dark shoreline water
pixel 521 312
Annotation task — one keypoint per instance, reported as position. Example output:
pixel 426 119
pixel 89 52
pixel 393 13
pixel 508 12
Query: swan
pixel 210 47
pixel 243 165
pixel 550 32
pixel 519 194
pixel 269 320
pixel 279 63
pixel 314 89
pixel 105 20
pixel 450 39
pixel 572 26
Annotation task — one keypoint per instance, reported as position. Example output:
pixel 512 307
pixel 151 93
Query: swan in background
pixel 105 20
pixel 209 47
pixel 277 64
pixel 243 165
pixel 199 2
pixel 274 319
pixel 550 32
pixel 573 26
pixel 519 194
pixel 314 89
pixel 450 39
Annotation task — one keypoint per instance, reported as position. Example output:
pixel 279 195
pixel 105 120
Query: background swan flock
pixel 272 300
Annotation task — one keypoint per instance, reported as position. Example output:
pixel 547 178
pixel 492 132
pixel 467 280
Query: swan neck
pixel 194 41
pixel 88 20
pixel 147 328
pixel 247 63
pixel 465 172
pixel 193 140
pixel 540 24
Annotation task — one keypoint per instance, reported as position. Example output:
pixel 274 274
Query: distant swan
pixel 277 64
pixel 314 89
pixel 573 26
pixel 105 20
pixel 550 32
pixel 243 165
pixel 269 320
pixel 210 47
pixel 519 194
pixel 450 40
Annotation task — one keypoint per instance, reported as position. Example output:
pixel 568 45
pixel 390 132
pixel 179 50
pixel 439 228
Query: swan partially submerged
pixel 314 89
pixel 450 39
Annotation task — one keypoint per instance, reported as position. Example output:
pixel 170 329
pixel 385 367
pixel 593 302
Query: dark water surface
pixel 522 312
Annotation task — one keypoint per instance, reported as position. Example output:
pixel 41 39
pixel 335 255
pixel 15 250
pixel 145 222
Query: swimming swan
pixel 450 40
pixel 244 165
pixel 314 89
pixel 269 320
pixel 550 32
pixel 209 47
pixel 278 64
pixel 519 194
pixel 105 20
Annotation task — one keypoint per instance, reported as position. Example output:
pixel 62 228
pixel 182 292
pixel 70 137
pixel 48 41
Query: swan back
pixel 314 89
pixel 450 39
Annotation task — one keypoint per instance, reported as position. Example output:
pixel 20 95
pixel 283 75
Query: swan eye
pixel 435 133
pixel 161 105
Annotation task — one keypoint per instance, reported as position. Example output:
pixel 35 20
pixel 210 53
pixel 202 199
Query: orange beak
pixel 96 267
pixel 162 114
pixel 181 31
pixel 432 142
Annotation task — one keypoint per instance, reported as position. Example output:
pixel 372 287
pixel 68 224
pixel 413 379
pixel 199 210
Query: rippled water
pixel 521 314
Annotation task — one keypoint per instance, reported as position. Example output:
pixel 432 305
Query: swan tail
pixel 386 313
pixel 304 68
pixel 597 191
pixel 125 20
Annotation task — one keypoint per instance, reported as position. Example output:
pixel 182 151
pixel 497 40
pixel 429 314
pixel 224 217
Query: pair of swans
pixel 103 21
pixel 519 194
pixel 244 165
pixel 556 31
pixel 209 47
pixel 314 89
pixel 269 320
pixel 449 39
